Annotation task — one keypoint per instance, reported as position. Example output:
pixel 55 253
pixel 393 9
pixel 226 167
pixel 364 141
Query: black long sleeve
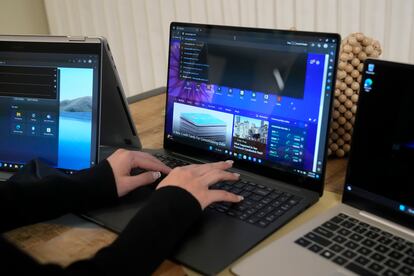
pixel 147 240
pixel 40 193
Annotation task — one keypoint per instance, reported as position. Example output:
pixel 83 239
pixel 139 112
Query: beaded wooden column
pixel 354 50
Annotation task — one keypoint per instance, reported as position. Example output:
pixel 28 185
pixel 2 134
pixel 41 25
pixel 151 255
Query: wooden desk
pixel 71 238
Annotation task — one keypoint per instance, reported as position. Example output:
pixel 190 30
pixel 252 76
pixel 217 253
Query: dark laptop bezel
pixel 61 44
pixel 316 185
pixel 365 203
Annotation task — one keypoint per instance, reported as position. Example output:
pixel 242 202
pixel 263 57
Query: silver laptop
pixel 54 91
pixel 371 232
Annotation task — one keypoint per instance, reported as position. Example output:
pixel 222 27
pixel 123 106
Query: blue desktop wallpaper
pixel 75 118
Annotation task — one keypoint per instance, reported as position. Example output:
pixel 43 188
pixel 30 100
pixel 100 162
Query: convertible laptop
pixel 372 231
pixel 51 90
pixel 260 97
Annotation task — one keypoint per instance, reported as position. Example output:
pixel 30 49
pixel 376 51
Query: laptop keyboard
pixel 261 205
pixel 360 247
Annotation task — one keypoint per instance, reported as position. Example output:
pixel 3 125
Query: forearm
pixel 39 193
pixel 148 240
pixel 152 234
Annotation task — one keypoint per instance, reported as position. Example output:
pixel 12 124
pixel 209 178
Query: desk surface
pixel 71 238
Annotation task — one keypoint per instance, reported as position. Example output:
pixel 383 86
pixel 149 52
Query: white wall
pixel 23 17
pixel 137 30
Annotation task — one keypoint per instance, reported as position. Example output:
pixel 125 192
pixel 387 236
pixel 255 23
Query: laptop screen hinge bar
pixel 387 223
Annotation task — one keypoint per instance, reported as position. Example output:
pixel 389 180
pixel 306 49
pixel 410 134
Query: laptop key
pixel 336 248
pixel 342 215
pixel 357 269
pixel 362 260
pixel 336 220
pixel 315 248
pixel 327 254
pixel 406 270
pixel 369 243
pixel 381 248
pixel 262 192
pixel 399 246
pixel 303 242
pixel 351 245
pixel 385 240
pixel 263 223
pixel 323 232
pixel 318 239
pixel 359 229
pixel 377 257
pixel 391 263
pixel 364 251
pixel 409 261
pixel 344 232
pixel 375 267
pixel 389 273
pixel 347 224
pixel 339 260
pixel 255 197
pixel 253 219
pixel 349 254
pixel 410 252
pixel 395 255
pixel 356 237
pixel 340 239
pixel 331 226
pixel 371 235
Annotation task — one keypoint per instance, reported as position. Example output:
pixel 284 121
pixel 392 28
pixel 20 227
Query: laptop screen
pixel 49 104
pixel 259 96
pixel 382 159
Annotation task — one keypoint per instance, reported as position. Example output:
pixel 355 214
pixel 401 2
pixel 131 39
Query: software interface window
pixel 46 109
pixel 258 98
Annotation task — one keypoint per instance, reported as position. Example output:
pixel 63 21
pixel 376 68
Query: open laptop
pixel 372 231
pixel 54 93
pixel 260 97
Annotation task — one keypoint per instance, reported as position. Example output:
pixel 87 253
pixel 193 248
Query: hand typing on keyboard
pixel 197 179
pixel 123 161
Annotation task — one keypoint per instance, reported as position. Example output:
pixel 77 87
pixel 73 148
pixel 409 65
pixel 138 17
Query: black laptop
pixel 61 101
pixel 260 97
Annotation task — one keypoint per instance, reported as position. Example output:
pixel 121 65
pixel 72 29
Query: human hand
pixel 196 179
pixel 123 161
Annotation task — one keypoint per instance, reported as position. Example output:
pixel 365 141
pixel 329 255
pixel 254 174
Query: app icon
pixel 48 130
pixel 368 84
pixel 266 96
pixel 371 67
pixel 241 92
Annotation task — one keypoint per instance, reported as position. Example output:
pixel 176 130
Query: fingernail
pixel 240 198
pixel 230 161
pixel 236 174
pixel 156 175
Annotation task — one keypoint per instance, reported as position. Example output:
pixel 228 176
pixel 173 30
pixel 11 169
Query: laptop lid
pixel 261 97
pixel 379 176
pixel 49 101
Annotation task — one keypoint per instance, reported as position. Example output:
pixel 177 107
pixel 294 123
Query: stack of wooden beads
pixel 354 50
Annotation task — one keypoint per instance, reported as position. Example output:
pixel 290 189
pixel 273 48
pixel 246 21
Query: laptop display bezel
pixel 64 45
pixel 368 204
pixel 309 183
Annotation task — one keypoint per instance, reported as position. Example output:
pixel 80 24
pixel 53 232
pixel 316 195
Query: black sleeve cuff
pixel 152 234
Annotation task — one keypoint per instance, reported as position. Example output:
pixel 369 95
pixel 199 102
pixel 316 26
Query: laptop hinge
pixel 77 38
pixel 387 223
